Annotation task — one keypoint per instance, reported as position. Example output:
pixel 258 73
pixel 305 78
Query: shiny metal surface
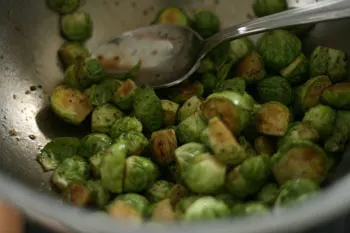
pixel 29 39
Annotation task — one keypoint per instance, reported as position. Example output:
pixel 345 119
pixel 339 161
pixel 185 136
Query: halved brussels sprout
pixel 190 107
pixel 274 88
pixel 125 125
pixel 140 174
pixel 273 119
pixel 70 104
pixel 279 48
pixel 124 95
pixel 77 26
pixel 136 142
pixel 70 170
pixel 163 211
pixel 163 145
pixel 71 52
pixel 170 110
pixel 77 193
pixel 63 6
pixel 299 131
pixel 249 208
pixel 337 96
pixel 322 118
pixel 251 68
pixel 296 191
pixel 300 159
pixel 297 71
pixel 103 118
pixel 328 61
pixel 310 93
pixel 99 195
pixel 94 143
pixel 249 177
pixel 102 93
pixel 223 143
pixel 120 210
pixel 268 194
pixel 112 167
pixel 240 48
pixel 148 109
pixel 341 132
pixel 206 208
pixel 232 108
pixel 267 7
pixel 71 76
pixel 235 84
pixel 135 200
pixel 264 145
pixel 185 90
pixel 159 191
pixel 58 150
pixel 177 193
pixel 190 129
pixel 172 15
pixel 206 23
pixel 209 82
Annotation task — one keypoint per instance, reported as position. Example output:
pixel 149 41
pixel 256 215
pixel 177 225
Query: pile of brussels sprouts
pixel 256 128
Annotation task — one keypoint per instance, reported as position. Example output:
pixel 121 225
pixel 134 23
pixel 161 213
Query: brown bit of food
pixel 163 145
pixel 40 87
pixel 154 52
pixel 18 28
pixel 14 97
pixel 13 133
pixel 27 92
pixel 1 57
pixel 33 88
pixel 32 137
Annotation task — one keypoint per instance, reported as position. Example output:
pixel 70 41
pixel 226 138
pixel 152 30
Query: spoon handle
pixel 313 13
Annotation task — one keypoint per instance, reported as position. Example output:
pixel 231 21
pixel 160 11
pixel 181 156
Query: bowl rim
pixel 331 203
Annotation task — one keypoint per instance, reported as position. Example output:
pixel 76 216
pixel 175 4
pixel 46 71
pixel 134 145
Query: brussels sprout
pixel 337 96
pixel 268 194
pixel 232 108
pixel 222 142
pixel 58 150
pixel 177 193
pixel 206 23
pixel 78 194
pixel 296 190
pixel 267 7
pixel 112 167
pixel 69 104
pixel 103 118
pixel 70 170
pixel 119 209
pixel 124 95
pixel 63 6
pixel 136 142
pixel 90 72
pixel 310 93
pixel 279 48
pixel 148 109
pixel 273 119
pixel 172 15
pixel 182 206
pixel 274 88
pixel 264 145
pixel 235 84
pixel 206 65
pixel 220 54
pixel 184 91
pixel 209 82
pixel 77 26
pixel 71 76
pixel 163 211
pixel 240 48
pixel 169 111
pixel 100 94
pixel 94 143
pixel 206 208
pixel 163 145
pixel 190 107
pixel 173 172
pixel 299 159
pixel 135 200
pixel 322 118
pixel 328 61
pixel 95 162
pixel 249 208
pixel 125 125
pixel 99 195
pixel 341 132
pixel 190 129
pixel 297 71
pixel 299 131
pixel 140 174
pixel 71 52
pixel 159 191
pixel 251 68
pixel 249 150
pixel 249 177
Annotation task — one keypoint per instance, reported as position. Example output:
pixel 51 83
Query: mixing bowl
pixel 29 69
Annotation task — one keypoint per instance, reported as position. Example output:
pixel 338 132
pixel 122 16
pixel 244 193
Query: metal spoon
pixel 170 54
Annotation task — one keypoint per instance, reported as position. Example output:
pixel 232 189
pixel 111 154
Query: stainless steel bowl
pixel 29 39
